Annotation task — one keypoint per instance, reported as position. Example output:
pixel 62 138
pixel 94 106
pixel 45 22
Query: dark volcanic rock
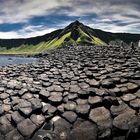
pixel 102 117
pixel 72 93
pixel 26 128
pixel 84 131
pixel 70 116
pixel 37 119
pixel 14 135
pixel 16 117
pixel 82 109
pixel 124 120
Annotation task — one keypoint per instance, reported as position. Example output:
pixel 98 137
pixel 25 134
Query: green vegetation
pixel 74 34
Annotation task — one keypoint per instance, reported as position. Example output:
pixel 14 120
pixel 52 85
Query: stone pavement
pixel 72 93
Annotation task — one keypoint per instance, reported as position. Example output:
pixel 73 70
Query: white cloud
pixel 26 32
pixel 14 11
pixel 18 11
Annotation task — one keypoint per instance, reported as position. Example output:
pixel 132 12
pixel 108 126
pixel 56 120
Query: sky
pixel 29 18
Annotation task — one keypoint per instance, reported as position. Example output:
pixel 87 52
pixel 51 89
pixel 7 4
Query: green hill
pixel 74 34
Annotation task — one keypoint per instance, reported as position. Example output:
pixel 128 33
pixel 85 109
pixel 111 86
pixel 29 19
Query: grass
pixel 56 42
pixel 34 49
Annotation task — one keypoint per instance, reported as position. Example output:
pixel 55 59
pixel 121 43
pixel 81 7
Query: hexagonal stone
pixel 26 127
pixel 38 120
pixel 70 116
pixel 14 84
pixel 16 117
pixel 107 83
pixel 132 87
pixel 72 96
pixel 82 109
pixel 95 100
pixel 115 90
pixel 27 96
pixel 4 96
pixel 128 97
pixel 74 88
pixel 101 92
pixel 25 107
pixel 102 117
pixel 94 83
pixel 124 120
pixel 44 93
pixel 61 128
pixel 138 93
pixel 82 101
pixel 24 104
pixel 36 103
pixel 6 108
pixel 26 111
pixel 45 108
pixel 46 84
pixel 14 135
pixel 56 88
pixel 124 89
pixel 52 110
pixel 135 103
pixel 23 91
pixel 84 85
pixel 71 106
pixel 5 125
pixel 84 131
pixel 119 109
pixel 2 89
pixel 55 98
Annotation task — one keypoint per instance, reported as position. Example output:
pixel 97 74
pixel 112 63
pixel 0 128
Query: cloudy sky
pixel 27 18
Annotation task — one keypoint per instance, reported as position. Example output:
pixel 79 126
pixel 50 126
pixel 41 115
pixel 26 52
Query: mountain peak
pixel 75 24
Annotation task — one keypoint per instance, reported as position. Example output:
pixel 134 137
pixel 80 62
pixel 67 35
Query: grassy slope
pixel 56 42
pixel 34 49
pixel 93 39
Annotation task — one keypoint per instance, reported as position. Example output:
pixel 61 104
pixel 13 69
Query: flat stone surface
pixel 138 93
pixel 122 121
pixel 94 83
pixel 128 97
pixel 70 116
pixel 16 117
pixel 38 120
pixel 72 93
pixel 121 108
pixel 85 131
pixel 74 88
pixel 55 98
pixel 132 86
pixel 82 109
pixel 102 117
pixel 14 135
pixel 26 127
pixel 135 103
pixel 95 100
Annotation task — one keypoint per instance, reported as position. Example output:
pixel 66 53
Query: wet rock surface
pixel 73 93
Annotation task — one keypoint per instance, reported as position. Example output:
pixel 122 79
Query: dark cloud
pixel 110 15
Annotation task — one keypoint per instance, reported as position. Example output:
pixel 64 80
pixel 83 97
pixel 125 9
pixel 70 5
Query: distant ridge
pixel 75 33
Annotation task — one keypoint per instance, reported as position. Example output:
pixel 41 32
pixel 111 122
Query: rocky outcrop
pixel 73 93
